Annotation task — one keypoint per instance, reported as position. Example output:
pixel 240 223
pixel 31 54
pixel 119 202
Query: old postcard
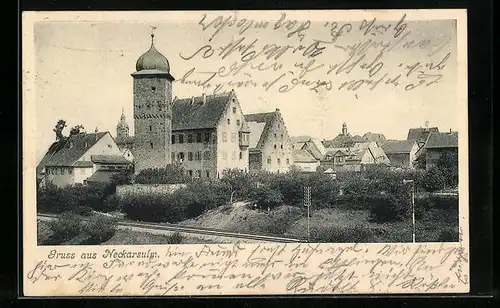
pixel 245 153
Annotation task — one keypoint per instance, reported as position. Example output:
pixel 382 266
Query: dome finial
pixel 153 28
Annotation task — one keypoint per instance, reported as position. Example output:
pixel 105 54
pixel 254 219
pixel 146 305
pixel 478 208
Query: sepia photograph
pixel 145 139
pixel 235 128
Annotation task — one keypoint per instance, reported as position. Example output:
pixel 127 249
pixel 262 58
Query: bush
pixel 66 227
pixel 448 165
pixel 155 208
pixel 172 174
pixel 200 196
pixel 99 228
pixel 434 180
pixel 344 234
pixel 265 196
pixel 175 238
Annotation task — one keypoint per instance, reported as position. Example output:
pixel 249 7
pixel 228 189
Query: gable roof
pixel 194 113
pixel 66 151
pixel 342 141
pixel 102 176
pixel 380 156
pixel 379 138
pixel 398 146
pixel 442 140
pixel 109 159
pixel 266 120
pixel 303 156
pixel 421 134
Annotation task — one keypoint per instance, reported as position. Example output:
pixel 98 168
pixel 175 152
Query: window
pixel 224 137
pixel 238 122
pixel 173 156
pixel 190 138
pixel 151 144
pixel 181 138
pixel 269 160
pixel 224 155
pixel 190 172
pixel 233 155
pixel 173 139
pixel 207 137
pixel 198 137
pixel 198 173
pixel 241 155
pixel 181 156
pixel 281 136
pixel 206 155
pixel 190 156
pixel 281 147
pixel 197 156
pixel 275 135
pixel 208 173
pixel 153 88
pixel 279 161
pixel 70 170
pixel 234 109
pixel 233 137
pixel 275 146
pixel 288 161
pixel 150 128
pixel 228 121
pixel 61 170
pixel 110 146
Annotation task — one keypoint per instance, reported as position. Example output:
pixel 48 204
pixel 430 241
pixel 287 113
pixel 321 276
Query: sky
pixel 83 72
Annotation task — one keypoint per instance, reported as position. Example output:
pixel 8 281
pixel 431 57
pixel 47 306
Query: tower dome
pixel 152 60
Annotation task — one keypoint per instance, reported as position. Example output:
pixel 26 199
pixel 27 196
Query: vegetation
pixel 172 174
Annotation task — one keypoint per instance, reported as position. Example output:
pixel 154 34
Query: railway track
pixel 195 230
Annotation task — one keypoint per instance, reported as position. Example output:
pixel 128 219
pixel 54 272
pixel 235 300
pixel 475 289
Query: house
pixel 420 135
pixel 314 146
pixel 401 153
pixel 206 134
pixel 75 158
pixel 438 144
pixel 305 161
pixel 270 144
pixel 379 139
pixel 355 158
pixel 343 140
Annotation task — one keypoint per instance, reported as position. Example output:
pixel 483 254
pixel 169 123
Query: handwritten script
pixel 252 269
pixel 286 55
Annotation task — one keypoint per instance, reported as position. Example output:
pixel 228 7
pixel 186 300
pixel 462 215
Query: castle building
pixel 271 148
pixel 206 134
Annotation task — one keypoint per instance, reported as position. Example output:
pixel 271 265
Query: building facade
pixel 438 144
pixel 401 153
pixel 270 145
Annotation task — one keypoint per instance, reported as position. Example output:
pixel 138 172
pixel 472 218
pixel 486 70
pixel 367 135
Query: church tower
pixel 122 129
pixel 152 110
pixel 344 129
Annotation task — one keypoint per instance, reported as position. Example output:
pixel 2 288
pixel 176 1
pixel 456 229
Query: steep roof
pixel 379 138
pixel 65 152
pixel 442 140
pixel 342 141
pixel 266 118
pixel 398 146
pixel 108 159
pixel 303 156
pixel 195 113
pixel 380 156
pixel 421 133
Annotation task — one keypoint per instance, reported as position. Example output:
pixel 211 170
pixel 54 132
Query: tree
pixel 448 165
pixel 171 174
pixel 61 124
pixel 75 130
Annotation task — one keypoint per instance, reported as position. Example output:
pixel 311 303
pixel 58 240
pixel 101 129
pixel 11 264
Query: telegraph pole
pixel 307 203
pixel 412 204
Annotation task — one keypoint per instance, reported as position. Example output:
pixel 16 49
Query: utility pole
pixel 307 203
pixel 412 204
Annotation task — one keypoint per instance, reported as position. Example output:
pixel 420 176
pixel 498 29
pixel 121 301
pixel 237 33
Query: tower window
pixel 281 147
pixel 197 156
pixel 234 110
pixel 269 160
pixel 190 138
pixel 198 137
pixel 150 128
pixel 288 161
pixel 151 144
pixel 190 156
pixel 275 136
pixel 241 155
pixel 153 88
pixel 181 138
pixel 208 174
pixel 198 173
pixel 275 146
pixel 181 156
pixel 279 161
pixel 173 139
